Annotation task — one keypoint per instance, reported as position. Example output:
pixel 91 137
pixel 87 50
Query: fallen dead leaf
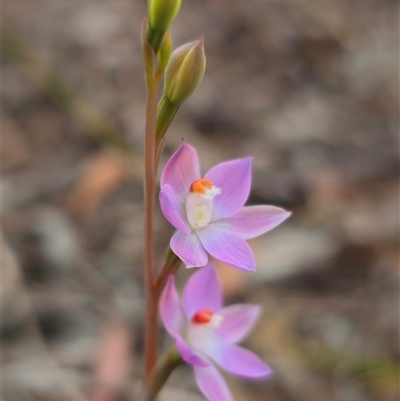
pixel 99 178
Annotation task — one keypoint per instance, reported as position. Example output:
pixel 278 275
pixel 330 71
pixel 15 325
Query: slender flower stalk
pixel 185 69
pixel 166 364
pixel 152 86
pixel 166 112
pixel 170 267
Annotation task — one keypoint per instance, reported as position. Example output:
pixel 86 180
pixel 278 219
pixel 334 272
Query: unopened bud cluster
pixel 183 68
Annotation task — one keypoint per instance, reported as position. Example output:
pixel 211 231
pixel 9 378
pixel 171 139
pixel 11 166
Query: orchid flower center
pixel 201 331
pixel 203 316
pixel 199 202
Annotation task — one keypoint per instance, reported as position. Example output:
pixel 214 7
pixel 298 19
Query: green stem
pixel 170 266
pixel 166 112
pixel 159 152
pixel 166 364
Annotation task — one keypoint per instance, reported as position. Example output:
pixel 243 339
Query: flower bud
pixel 165 50
pixel 184 72
pixel 161 14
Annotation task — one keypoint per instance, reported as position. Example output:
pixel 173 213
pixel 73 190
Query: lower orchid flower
pixel 208 212
pixel 206 333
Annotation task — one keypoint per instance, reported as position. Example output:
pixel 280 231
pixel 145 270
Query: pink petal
pixel 237 322
pixel 212 384
pixel 234 179
pixel 188 247
pixel 171 310
pixel 181 170
pixel 172 209
pixel 237 360
pixel 188 354
pixel 202 291
pixel 227 248
pixel 252 221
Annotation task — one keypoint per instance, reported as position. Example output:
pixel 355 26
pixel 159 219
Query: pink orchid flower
pixel 208 212
pixel 206 333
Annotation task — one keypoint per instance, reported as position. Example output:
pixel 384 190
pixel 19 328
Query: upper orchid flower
pixel 205 333
pixel 208 212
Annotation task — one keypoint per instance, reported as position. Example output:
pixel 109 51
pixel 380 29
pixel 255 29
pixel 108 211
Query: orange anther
pixel 203 316
pixel 198 185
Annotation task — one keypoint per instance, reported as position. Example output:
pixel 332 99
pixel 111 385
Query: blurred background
pixel 308 88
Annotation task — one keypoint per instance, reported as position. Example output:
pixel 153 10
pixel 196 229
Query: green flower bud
pixel 161 14
pixel 165 50
pixel 184 72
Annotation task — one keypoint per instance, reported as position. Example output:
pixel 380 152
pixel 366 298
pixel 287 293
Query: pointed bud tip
pixel 185 71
